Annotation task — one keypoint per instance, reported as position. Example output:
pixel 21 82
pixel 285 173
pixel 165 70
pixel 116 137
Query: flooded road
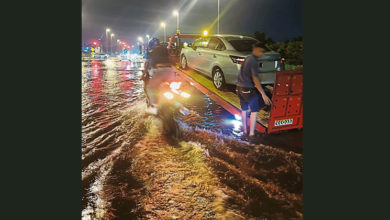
pixel 130 171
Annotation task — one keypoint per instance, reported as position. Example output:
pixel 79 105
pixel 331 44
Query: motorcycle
pixel 172 94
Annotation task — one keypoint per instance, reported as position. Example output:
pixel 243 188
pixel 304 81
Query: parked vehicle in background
pixel 183 39
pixel 85 54
pixel 100 56
pixel 220 57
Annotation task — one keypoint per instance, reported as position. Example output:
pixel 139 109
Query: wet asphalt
pixel 130 170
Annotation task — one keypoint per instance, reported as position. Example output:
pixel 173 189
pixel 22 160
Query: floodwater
pixel 130 170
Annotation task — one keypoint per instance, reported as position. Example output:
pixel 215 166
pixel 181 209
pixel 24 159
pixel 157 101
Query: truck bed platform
pixel 282 120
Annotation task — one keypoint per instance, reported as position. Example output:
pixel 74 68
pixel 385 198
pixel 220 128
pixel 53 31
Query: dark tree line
pixel 291 50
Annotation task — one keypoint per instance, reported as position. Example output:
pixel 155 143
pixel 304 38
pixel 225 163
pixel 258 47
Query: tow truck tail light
pixel 237 59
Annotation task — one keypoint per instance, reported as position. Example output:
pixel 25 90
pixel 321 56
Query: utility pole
pixel 218 18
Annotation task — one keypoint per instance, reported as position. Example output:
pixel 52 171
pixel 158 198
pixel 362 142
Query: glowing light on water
pixel 237 125
pixel 110 63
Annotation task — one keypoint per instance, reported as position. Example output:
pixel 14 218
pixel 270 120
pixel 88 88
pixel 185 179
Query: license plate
pixel 283 122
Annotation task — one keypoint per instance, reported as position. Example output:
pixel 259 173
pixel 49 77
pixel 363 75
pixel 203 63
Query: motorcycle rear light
pixel 237 59
pixel 175 85
pixel 168 95
pixel 185 95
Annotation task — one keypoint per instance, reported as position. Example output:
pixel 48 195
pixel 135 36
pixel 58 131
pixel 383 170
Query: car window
pixel 213 43
pixel 201 42
pixel 216 44
pixel 196 43
pixel 241 43
pixel 204 42
pixel 221 45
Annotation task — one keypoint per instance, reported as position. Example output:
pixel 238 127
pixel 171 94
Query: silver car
pixel 220 57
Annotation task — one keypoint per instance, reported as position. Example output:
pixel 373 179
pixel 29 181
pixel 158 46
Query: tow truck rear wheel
pixel 218 79
pixel 183 63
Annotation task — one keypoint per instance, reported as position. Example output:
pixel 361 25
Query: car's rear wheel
pixel 183 62
pixel 218 79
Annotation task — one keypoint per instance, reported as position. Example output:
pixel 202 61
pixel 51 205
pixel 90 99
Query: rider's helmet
pixel 153 42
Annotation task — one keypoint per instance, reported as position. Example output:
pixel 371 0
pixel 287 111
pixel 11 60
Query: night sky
pixel 128 19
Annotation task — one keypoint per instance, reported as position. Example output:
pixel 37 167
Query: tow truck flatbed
pixel 286 110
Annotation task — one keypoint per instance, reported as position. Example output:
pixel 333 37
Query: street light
pixel 119 42
pixel 164 25
pixel 176 13
pixel 112 35
pixel 148 37
pixel 107 31
pixel 140 39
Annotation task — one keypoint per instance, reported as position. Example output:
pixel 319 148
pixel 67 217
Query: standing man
pixel 249 88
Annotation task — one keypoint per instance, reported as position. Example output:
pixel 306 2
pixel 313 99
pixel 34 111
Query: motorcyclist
pixel 160 70
pixel 152 43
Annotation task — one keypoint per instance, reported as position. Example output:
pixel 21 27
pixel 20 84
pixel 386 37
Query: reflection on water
pixel 210 116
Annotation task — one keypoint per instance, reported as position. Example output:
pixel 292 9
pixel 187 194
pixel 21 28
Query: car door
pixel 199 57
pixel 191 54
pixel 209 54
pixel 214 54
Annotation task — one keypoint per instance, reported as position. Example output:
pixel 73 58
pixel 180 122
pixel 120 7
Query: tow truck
pixel 286 110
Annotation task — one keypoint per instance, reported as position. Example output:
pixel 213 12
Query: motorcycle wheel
pixel 170 126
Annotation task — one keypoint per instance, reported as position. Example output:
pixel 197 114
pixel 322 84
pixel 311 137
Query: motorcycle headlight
pixel 168 95
pixel 185 95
